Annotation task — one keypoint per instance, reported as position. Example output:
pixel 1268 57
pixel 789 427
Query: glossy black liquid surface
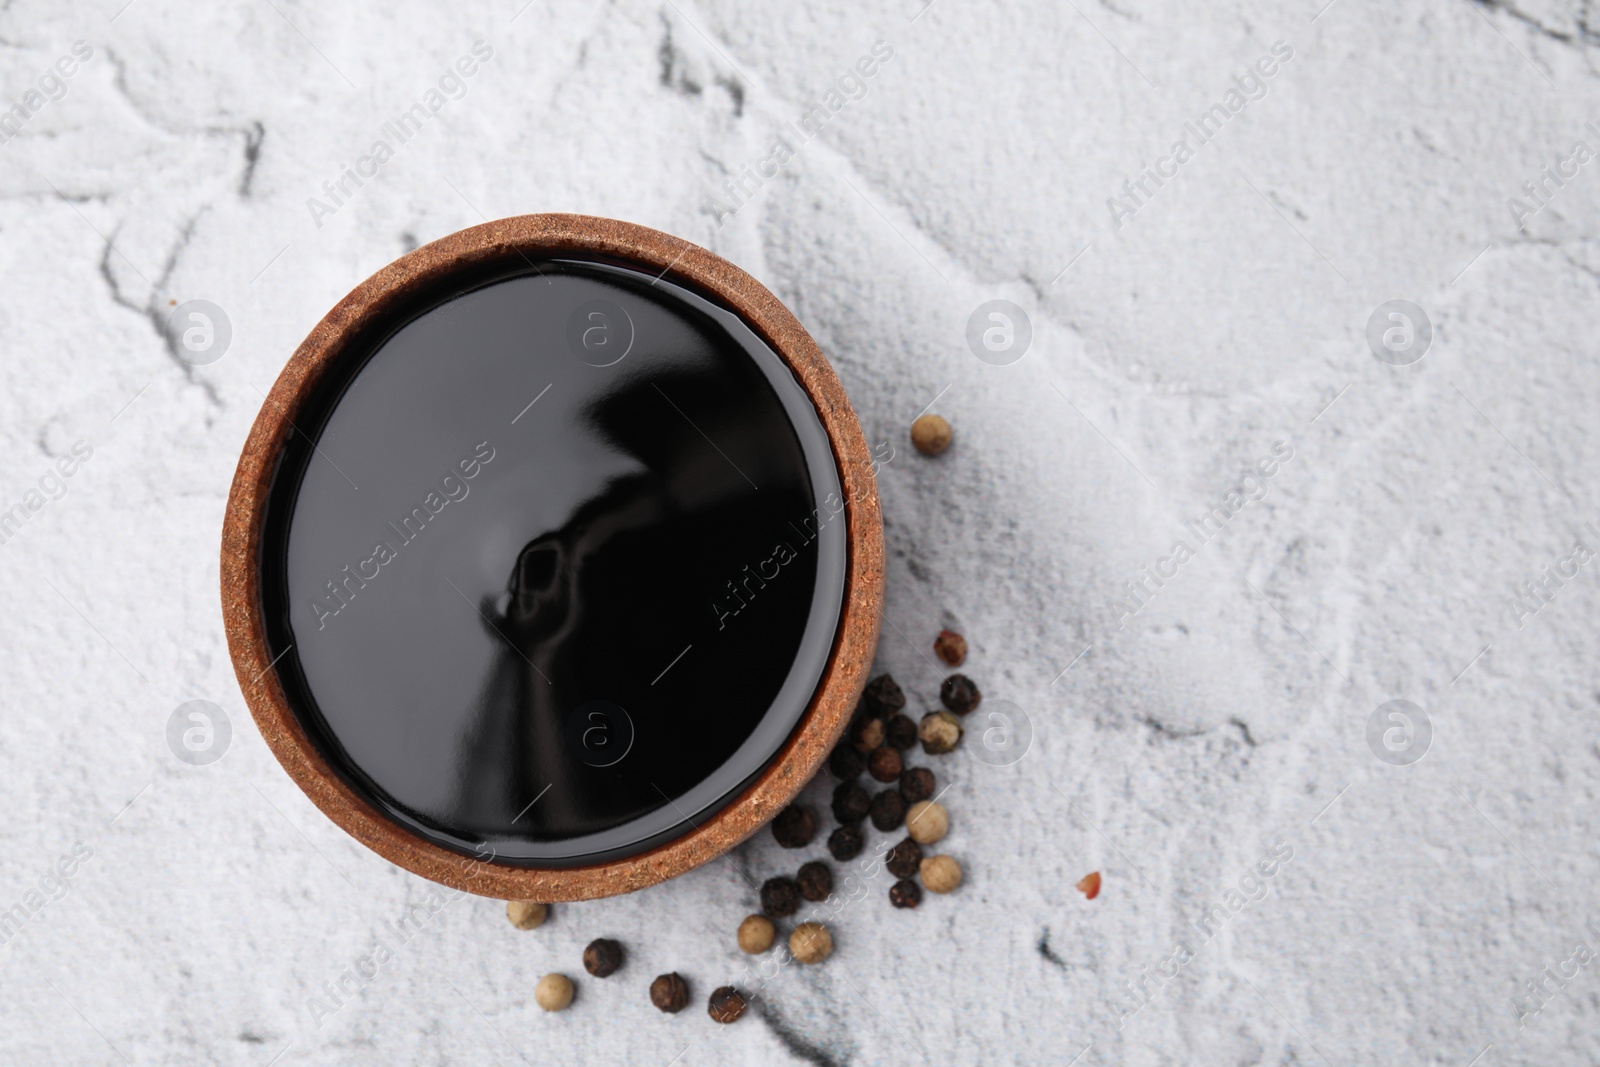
pixel 563 567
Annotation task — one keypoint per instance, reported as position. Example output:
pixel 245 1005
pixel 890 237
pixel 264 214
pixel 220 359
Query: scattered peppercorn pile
pixel 876 743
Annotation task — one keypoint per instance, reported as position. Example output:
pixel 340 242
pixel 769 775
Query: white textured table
pixel 1191 711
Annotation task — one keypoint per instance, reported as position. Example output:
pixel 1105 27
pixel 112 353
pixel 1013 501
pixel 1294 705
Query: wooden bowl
pixel 384 297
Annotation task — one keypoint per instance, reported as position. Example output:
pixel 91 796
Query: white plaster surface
pixel 1228 313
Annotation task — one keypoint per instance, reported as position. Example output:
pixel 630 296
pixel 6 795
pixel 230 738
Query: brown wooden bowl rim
pixel 383 294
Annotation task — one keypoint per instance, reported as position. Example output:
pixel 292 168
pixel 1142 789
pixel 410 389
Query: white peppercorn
pixel 940 874
pixel 939 732
pixel 811 942
pixel 756 934
pixel 927 822
pixel 931 434
pixel 526 914
pixel 554 992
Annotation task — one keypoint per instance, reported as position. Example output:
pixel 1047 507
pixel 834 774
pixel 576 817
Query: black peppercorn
pixel 884 764
pixel 850 803
pixel 888 810
pixel 905 894
pixel 780 897
pixel 904 859
pixel 900 732
pixel 794 827
pixel 883 697
pixel 959 693
pixel 815 880
pixel 867 734
pixel 846 843
pixel 670 992
pixel 846 763
pixel 916 783
pixel 726 1005
pixel 602 957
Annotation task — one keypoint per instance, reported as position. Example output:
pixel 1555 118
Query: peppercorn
pixel 927 822
pixel 950 647
pixel 941 874
pixel 867 734
pixel 959 693
pixel 888 810
pixel 940 732
pixel 930 434
pixel 916 783
pixel 846 763
pixel 1089 885
pixel 850 803
pixel 905 894
pixel 726 1004
pixel 815 880
pixel 811 943
pixel 527 914
pixel 554 992
pixel 883 696
pixel 884 764
pixel 756 934
pixel 904 859
pixel 602 957
pixel 794 827
pixel 846 843
pixel 900 732
pixel 670 992
pixel 780 897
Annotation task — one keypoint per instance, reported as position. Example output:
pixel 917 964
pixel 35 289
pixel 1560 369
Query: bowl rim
pixel 385 294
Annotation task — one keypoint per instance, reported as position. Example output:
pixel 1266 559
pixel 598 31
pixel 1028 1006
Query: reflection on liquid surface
pixel 563 568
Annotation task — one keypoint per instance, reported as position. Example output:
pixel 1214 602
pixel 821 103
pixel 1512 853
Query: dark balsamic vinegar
pixel 563 566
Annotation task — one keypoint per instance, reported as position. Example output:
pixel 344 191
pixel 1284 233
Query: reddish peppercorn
pixel 905 894
pixel 959 693
pixel 780 897
pixel 900 732
pixel 726 1004
pixel 883 696
pixel 904 859
pixel 602 957
pixel 888 810
pixel 884 765
pixel 794 827
pixel 950 647
pixel 916 783
pixel 846 843
pixel 815 880
pixel 850 803
pixel 670 992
